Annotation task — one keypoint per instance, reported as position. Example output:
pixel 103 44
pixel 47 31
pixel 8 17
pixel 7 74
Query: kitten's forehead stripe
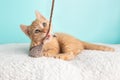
pixel 41 25
pixel 37 24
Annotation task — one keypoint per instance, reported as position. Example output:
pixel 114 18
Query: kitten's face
pixel 37 30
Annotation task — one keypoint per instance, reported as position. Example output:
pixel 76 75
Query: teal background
pixel 89 20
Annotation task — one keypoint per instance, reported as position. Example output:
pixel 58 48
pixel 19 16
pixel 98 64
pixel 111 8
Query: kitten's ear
pixel 38 15
pixel 24 28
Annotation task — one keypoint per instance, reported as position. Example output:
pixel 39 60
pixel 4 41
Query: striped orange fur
pixel 61 46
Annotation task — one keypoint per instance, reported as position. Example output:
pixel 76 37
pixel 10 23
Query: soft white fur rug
pixel 15 64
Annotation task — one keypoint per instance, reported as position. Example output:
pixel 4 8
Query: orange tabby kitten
pixel 62 46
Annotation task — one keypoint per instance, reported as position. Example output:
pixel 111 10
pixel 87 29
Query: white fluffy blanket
pixel 15 64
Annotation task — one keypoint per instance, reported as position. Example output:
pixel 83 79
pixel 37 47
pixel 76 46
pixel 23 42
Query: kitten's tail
pixel 96 47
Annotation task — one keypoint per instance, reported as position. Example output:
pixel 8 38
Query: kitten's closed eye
pixel 44 24
pixel 37 31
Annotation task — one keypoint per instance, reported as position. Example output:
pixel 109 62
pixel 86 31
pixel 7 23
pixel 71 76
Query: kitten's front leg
pixel 63 56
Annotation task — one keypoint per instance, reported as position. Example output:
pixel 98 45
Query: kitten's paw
pixel 70 56
pixel 65 56
pixel 48 54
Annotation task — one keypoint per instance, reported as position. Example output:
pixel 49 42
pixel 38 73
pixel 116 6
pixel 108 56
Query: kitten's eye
pixel 37 31
pixel 44 24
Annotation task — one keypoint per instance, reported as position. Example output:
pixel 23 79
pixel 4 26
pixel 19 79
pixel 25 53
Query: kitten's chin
pixel 43 35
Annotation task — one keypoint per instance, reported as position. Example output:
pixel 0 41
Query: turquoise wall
pixel 89 20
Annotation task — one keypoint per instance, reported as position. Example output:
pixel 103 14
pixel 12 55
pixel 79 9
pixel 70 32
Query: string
pixel 50 20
